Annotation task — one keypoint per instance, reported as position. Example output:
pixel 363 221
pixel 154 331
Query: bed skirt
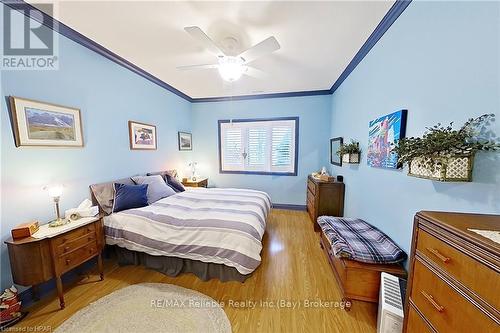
pixel 173 266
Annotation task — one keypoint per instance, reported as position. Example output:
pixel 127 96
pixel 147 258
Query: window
pixel 261 146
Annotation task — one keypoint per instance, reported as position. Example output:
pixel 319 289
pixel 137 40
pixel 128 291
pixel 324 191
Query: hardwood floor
pixel 293 269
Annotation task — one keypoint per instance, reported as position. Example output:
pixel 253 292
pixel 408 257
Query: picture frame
pixel 142 136
pixel 43 124
pixel 185 140
pixel 383 133
pixel 335 144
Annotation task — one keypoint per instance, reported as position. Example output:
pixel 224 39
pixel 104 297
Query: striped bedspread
pixel 222 226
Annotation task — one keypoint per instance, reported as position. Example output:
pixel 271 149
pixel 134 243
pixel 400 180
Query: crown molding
pixel 392 15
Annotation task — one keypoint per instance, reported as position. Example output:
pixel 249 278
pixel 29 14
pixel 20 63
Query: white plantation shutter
pixel 232 152
pixel 261 146
pixel 282 146
pixel 257 146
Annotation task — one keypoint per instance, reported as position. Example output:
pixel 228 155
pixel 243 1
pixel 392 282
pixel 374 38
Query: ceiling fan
pixel 232 67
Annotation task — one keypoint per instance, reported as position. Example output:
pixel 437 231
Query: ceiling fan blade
pixel 254 72
pixel 266 46
pixel 199 35
pixel 206 66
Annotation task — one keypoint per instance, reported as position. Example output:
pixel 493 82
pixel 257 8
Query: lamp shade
pixel 55 190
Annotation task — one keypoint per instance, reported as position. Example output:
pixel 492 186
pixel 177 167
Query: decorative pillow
pixel 157 188
pixel 104 193
pixel 170 178
pixel 174 183
pixel 130 196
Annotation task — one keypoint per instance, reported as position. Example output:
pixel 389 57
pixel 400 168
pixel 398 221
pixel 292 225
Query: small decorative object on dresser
pixel 51 252
pixel 454 274
pixel 199 182
pixel 324 198
pixel 185 141
pixel 142 136
pixel 44 124
pixel 25 230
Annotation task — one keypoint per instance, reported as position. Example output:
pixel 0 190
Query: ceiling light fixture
pixel 231 68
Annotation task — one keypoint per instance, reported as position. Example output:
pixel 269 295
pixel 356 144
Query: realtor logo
pixel 29 39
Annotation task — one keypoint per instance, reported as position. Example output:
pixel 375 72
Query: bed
pixel 212 233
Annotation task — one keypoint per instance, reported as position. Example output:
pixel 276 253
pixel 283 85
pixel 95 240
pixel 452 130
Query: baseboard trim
pixel 289 207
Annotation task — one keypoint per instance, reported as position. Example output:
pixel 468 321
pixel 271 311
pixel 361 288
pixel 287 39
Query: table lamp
pixel 55 192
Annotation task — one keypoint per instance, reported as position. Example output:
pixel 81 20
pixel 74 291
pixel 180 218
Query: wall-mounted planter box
pixel 452 169
pixel 351 158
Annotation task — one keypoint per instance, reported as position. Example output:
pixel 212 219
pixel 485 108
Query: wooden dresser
pixel 37 260
pixel 324 198
pixel 454 277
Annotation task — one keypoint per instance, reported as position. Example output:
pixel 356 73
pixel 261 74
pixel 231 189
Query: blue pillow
pixel 130 196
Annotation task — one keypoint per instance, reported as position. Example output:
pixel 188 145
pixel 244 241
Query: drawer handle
pixel 66 249
pixel 68 261
pixel 439 255
pixel 432 301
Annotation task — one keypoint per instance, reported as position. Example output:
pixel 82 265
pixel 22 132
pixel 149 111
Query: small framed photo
pixel 142 136
pixel 185 141
pixel 44 124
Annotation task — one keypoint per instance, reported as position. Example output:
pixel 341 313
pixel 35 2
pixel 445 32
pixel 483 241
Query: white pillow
pixel 157 188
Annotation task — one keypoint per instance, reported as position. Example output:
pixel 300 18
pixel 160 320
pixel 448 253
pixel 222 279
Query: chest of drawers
pixel 37 260
pixel 454 274
pixel 324 198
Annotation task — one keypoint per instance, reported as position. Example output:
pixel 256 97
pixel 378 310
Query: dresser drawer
pixel 310 198
pixel 73 235
pixel 416 323
pixel 78 256
pixel 443 307
pixel 311 187
pixel 470 272
pixel 312 211
pixel 76 243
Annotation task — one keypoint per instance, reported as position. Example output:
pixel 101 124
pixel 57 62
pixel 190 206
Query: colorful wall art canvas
pixel 44 124
pixel 383 132
pixel 142 136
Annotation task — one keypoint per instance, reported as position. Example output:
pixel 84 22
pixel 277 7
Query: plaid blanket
pixel 357 240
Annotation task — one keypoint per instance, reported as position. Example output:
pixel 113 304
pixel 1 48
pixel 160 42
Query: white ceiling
pixel 318 39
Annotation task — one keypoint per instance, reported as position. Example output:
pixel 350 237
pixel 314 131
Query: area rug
pixel 150 307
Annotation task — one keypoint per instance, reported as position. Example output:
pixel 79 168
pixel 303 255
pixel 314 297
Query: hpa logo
pixel 29 38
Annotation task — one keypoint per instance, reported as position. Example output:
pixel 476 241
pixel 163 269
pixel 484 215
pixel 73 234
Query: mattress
pixel 222 226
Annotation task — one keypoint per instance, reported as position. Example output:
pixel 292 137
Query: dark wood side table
pixel 56 251
pixel 199 182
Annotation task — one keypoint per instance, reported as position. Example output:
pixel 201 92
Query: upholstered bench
pixel 358 253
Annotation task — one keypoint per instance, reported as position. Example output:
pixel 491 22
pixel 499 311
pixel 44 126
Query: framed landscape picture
pixel 185 141
pixel 383 132
pixel 142 136
pixel 45 125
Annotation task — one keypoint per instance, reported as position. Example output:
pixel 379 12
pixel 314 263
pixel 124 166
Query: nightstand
pixel 51 252
pixel 199 182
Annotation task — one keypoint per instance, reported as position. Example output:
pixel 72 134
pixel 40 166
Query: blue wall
pixel 440 60
pixel 108 96
pixel 314 131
